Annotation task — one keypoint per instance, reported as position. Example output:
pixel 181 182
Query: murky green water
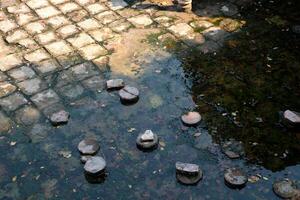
pixel 252 79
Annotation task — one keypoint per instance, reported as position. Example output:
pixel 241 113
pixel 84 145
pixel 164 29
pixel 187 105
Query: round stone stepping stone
pixel 59 118
pixel 188 173
pixel 284 189
pixel 147 140
pixel 95 165
pixel 233 149
pixel 235 178
pixel 191 118
pixel 88 146
pixel 291 118
pixel 114 84
pixel 129 94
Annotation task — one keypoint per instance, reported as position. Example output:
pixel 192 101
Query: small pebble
pixel 114 84
pixel 59 118
pixel 88 146
pixel 235 178
pixel 95 165
pixel 191 118
pixel 291 117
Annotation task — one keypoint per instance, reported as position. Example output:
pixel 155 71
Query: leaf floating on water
pixel 130 130
pixel 13 143
pixel 65 154
pixel 197 134
pixel 253 179
pixel 14 179
pixel 162 143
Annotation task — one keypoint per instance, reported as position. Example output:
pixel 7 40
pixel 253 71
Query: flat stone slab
pixel 147 140
pixel 191 118
pixel 141 20
pixel 187 173
pixel 284 189
pixel 95 165
pixel 292 117
pixel 6 89
pixel 114 84
pixel 129 94
pixel 181 29
pixel 59 118
pixel 88 146
pixel 235 178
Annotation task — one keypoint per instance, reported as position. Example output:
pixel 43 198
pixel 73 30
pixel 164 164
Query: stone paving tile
pixel 7 25
pixel 47 66
pixel 45 99
pixel 102 63
pixel 5 123
pixel 10 61
pixel 85 2
pixel 27 115
pixel 67 30
pixel 28 44
pixel 89 24
pixel 47 37
pixel 58 21
pixel 181 29
pixel 22 73
pixel 6 89
pixel 107 17
pixel 71 92
pixel 26 18
pixel 81 40
pixel 92 51
pixel 56 2
pixel 77 16
pixel 13 101
pixel 36 27
pixel 95 83
pixel 18 9
pixel 47 12
pixel 141 21
pixel 16 35
pixel 37 3
pixel 32 86
pixel 3 77
pixel 37 56
pixel 83 70
pixel 58 48
pixel 68 7
pixel 60 78
pixel 120 25
pixel 69 60
pixel 102 34
pixel 95 8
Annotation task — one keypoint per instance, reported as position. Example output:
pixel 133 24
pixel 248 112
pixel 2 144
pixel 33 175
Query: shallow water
pixel 236 81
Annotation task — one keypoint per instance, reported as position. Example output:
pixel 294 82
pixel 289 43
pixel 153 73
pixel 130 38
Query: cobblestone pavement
pixel 51 51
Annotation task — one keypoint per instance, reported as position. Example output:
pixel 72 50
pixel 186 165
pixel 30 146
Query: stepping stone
pixel 233 149
pixel 95 166
pixel 235 178
pixel 59 118
pixel 88 146
pixel 291 118
pixel 187 173
pixel 147 140
pixel 191 118
pixel 284 189
pixel 129 94
pixel 114 84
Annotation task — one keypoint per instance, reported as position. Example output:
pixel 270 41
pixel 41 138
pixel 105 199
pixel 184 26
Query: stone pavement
pixel 53 51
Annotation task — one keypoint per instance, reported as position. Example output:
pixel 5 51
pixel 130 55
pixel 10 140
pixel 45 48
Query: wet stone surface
pixel 59 118
pixel 191 118
pixel 147 140
pixel 129 94
pixel 115 84
pixel 187 173
pixel 235 178
pixel 95 165
pixel 88 146
pixel 284 189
